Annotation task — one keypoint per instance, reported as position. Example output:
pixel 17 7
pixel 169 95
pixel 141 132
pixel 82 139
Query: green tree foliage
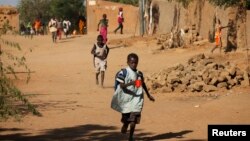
pixel 70 9
pixel 228 3
pixel 45 9
pixel 12 101
pixel 66 8
pixel 31 9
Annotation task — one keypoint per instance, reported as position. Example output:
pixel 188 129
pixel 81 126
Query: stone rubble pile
pixel 181 38
pixel 201 73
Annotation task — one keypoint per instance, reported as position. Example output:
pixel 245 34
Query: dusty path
pixel 74 108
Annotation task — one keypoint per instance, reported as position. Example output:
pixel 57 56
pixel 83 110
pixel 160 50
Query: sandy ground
pixel 63 88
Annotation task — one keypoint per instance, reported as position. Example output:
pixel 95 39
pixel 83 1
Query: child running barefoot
pixel 100 52
pixel 128 97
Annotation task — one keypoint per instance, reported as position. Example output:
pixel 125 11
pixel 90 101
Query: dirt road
pixel 73 108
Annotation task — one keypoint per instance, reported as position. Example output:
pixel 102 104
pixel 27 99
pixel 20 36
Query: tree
pixel 31 9
pixel 12 101
pixel 45 9
pixel 229 3
pixel 70 9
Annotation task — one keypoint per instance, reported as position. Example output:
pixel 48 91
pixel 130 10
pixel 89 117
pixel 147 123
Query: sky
pixel 9 2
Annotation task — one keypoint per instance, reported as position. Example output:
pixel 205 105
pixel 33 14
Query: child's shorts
pixel 100 65
pixel 131 117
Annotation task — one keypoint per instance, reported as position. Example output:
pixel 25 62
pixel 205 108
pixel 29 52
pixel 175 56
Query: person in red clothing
pixel 103 25
pixel 120 20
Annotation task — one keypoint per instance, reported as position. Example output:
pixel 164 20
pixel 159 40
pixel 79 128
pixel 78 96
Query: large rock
pixel 196 58
pixel 166 90
pixel 232 82
pixel 181 88
pixel 185 81
pixel 222 85
pixel 156 85
pixel 205 62
pixel 209 88
pixel 214 81
pixel 179 67
pixel 232 71
pixel 197 86
pixel 172 78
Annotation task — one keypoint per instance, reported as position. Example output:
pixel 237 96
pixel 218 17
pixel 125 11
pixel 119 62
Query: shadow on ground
pixel 87 132
pixel 170 135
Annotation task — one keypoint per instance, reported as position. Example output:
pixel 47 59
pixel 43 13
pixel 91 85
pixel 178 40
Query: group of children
pixel 33 28
pixel 103 25
pixel 128 97
pixel 56 28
